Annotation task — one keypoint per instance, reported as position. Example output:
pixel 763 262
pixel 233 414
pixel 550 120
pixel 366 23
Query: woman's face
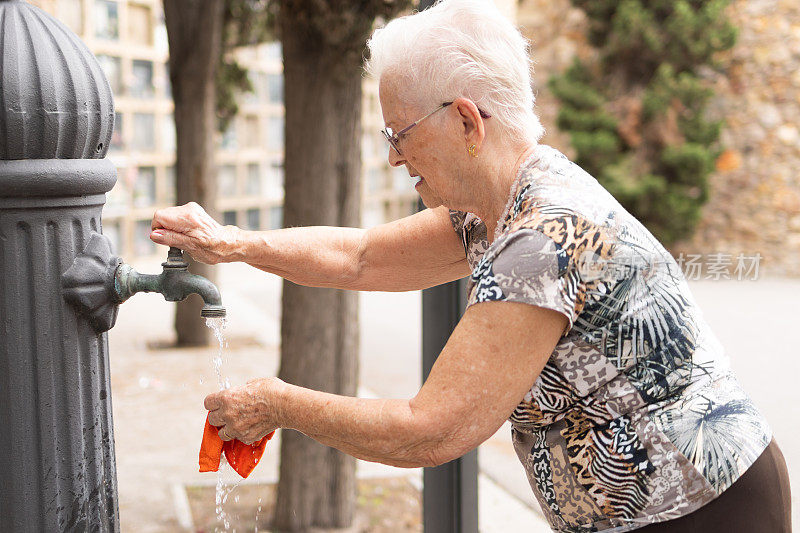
pixel 425 148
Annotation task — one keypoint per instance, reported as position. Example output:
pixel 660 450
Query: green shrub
pixel 650 50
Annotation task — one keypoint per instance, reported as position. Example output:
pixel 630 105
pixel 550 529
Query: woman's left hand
pixel 246 413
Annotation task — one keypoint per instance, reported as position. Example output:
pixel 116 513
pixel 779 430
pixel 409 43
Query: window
pixel 253 219
pixel 367 146
pixel 142 245
pixel 118 198
pixel 144 188
pixel 140 27
pixel 274 180
pixel 229 218
pixel 252 97
pixel 112 68
pixel 117 138
pixel 142 79
pixel 70 12
pixel 410 208
pixel 387 211
pixel 170 185
pixel 375 180
pixel 106 20
pixel 273 50
pixel 378 146
pixel 401 180
pixel 259 81
pixel 143 131
pixel 253 184
pixel 275 88
pixel 113 230
pixel 161 38
pixel 167 82
pixel 275 133
pixel 251 131
pixel 371 215
pixel 229 136
pixel 168 139
pixel 276 217
pixel 226 184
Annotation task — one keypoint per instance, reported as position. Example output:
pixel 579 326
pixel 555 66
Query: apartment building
pixel 129 39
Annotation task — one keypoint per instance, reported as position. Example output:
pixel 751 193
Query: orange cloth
pixel 242 457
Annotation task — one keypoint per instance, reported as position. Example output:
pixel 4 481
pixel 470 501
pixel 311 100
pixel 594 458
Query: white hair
pixel 461 48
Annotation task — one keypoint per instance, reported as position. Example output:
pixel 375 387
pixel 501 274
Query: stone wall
pixel 754 207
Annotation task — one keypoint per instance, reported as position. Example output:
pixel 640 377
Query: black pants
pixel 758 502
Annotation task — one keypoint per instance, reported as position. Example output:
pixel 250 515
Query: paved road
pixel 756 321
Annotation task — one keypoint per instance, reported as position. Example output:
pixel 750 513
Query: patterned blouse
pixel 636 417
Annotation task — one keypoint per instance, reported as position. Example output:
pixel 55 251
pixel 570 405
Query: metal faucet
pixel 98 281
pixel 175 282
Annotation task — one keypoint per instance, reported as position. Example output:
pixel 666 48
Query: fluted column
pixel 57 470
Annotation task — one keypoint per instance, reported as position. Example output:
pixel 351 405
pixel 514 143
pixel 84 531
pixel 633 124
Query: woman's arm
pixel 492 359
pixel 415 252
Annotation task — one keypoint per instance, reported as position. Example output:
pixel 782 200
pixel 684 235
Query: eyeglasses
pixel 394 138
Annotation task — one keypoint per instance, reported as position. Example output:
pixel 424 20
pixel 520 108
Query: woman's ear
pixel 471 122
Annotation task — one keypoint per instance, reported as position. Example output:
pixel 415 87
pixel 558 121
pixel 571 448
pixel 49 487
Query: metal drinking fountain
pixel 60 282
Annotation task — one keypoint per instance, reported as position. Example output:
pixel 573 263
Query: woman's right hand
pixel 191 229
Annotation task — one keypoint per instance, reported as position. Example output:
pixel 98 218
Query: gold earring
pixel 471 150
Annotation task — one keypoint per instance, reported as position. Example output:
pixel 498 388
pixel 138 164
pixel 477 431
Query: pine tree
pixel 636 117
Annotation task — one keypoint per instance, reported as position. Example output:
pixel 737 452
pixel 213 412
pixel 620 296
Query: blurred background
pixel 754 194
pixel 722 193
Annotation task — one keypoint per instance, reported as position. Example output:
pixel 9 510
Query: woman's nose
pixel 395 159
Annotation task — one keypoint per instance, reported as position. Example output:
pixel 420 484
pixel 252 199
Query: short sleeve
pixel 457 220
pixel 472 232
pixel 529 267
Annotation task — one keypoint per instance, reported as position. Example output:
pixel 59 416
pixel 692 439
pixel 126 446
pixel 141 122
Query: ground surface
pixel 384 505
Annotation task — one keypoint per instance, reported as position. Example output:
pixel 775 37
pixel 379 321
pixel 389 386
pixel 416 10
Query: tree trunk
pixel 194 29
pixel 319 327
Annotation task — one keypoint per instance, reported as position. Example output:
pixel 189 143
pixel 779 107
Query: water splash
pixel 220 498
pixel 224 490
pixel 258 511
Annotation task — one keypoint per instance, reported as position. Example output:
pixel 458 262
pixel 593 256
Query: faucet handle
pixel 175 259
pixel 88 284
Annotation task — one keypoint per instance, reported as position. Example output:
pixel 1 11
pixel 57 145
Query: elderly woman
pixel 580 327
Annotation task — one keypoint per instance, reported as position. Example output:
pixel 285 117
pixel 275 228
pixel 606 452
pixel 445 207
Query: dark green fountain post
pixel 57 470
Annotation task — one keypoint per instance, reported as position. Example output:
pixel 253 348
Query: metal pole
pixel 450 491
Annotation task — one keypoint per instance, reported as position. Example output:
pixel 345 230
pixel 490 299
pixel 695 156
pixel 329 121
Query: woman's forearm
pixel 412 253
pixel 316 256
pixel 385 431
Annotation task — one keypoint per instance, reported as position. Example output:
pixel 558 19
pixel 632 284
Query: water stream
pixel 224 489
pixel 218 326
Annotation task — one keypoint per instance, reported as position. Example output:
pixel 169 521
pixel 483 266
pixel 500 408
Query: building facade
pixel 129 39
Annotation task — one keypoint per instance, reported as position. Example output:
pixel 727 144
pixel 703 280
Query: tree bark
pixel 319 327
pixel 194 30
